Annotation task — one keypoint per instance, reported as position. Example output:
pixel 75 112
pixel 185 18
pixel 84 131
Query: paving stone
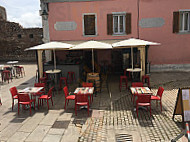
pixel 52 138
pixel 39 133
pixel 55 131
pixel 18 137
pixel 49 119
pixel 6 133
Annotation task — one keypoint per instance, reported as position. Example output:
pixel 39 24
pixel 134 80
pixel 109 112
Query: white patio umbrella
pixel 132 42
pixel 92 45
pixel 54 45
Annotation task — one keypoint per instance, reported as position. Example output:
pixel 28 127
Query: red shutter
pixel 128 23
pixel 176 22
pixel 109 24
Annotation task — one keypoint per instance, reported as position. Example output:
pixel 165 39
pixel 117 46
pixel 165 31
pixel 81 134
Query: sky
pixel 24 12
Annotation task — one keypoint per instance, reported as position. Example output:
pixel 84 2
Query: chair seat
pixel 144 104
pixel 38 93
pixel 43 97
pixel 155 98
pixel 82 103
pixel 15 97
pixel 71 97
pixel 123 77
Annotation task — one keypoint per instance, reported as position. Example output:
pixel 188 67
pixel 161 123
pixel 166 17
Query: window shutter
pixel 109 24
pixel 89 25
pixel 128 23
pixel 176 22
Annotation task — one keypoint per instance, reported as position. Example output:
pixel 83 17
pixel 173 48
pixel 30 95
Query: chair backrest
pixel 160 92
pixel 50 92
pixel 144 98
pixel 13 91
pixel 137 84
pixel 66 91
pixel 81 98
pixel 87 84
pixel 23 98
pixel 40 85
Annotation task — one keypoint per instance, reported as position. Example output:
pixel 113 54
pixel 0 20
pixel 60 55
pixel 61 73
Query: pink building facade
pixel 165 22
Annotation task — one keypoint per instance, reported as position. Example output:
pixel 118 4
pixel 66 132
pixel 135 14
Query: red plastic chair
pixel 143 100
pixel 135 84
pixel 81 100
pixel 61 81
pixel 46 97
pixel 158 96
pixel 87 84
pixel 123 78
pixel 40 92
pixel 146 78
pixel 71 76
pixel 14 94
pixel 6 76
pixel 67 96
pixel 24 99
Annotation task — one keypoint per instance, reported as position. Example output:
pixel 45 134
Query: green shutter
pixel 109 24
pixel 128 23
pixel 176 22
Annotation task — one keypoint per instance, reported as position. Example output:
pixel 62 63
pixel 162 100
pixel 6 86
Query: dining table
pixel 31 90
pixel 135 72
pixel 85 91
pixel 136 91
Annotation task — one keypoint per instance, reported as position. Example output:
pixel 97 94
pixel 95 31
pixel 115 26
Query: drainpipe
pixel 138 14
pixel 45 26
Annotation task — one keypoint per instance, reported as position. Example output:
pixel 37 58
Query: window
pixel 181 21
pixel 119 23
pixel 184 21
pixel 89 25
pixel 19 36
pixel 31 36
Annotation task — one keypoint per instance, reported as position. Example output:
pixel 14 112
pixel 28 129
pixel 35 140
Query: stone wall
pixel 14 39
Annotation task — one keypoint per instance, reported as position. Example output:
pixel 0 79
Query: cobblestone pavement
pixel 118 121
pixel 112 116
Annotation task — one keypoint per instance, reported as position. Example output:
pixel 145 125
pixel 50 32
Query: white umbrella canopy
pixel 54 45
pixel 92 45
pixel 132 42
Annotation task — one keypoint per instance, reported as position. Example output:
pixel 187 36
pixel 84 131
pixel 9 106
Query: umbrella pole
pixel 92 60
pixel 132 56
pixel 54 59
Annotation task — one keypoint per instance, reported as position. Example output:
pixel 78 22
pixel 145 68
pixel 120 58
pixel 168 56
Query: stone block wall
pixel 14 39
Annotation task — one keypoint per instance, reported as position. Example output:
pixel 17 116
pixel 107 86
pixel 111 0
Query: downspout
pixel 138 13
pixel 45 26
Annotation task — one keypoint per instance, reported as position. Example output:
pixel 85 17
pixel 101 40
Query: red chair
pixel 144 101
pixel 87 84
pixel 71 76
pixel 61 81
pixel 24 99
pixel 146 78
pixel 123 78
pixel 14 94
pixel 6 75
pixel 40 92
pixel 135 84
pixel 67 96
pixel 158 96
pixel 81 100
pixel 46 97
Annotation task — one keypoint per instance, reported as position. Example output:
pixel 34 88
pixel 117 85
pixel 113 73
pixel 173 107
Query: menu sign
pixel 186 104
